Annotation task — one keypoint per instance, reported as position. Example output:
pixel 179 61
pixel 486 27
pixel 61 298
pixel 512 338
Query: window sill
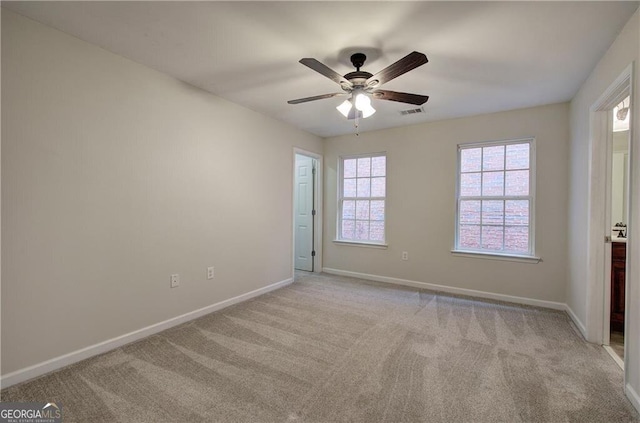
pixel 496 256
pixel 360 244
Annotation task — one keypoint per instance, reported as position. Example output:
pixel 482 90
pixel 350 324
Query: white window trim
pixel 496 256
pixel 500 255
pixel 360 243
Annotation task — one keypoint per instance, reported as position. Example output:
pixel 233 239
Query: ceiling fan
pixel 363 85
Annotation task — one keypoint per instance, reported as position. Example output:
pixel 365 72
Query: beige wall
pixel 114 176
pixel 624 51
pixel 421 204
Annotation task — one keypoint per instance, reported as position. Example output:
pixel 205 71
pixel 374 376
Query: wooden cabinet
pixel 618 266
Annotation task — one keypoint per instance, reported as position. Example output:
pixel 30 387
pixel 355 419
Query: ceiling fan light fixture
pixel 363 103
pixel 344 108
pixel 367 111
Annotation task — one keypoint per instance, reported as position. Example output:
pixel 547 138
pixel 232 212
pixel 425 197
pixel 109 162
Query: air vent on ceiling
pixel 412 111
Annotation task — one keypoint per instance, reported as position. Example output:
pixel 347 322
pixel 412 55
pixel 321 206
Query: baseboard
pixel 450 289
pixel 577 322
pixel 48 366
pixel 633 396
pixel 615 356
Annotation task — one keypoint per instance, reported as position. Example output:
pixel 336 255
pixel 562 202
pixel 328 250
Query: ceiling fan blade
pixel 326 71
pixel 402 66
pixel 400 97
pixel 315 97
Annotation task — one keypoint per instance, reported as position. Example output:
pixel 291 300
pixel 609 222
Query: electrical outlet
pixel 405 255
pixel 175 281
pixel 210 272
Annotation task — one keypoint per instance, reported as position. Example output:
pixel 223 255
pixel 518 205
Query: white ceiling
pixel 483 56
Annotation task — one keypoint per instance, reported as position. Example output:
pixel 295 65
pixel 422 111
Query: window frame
pixel 530 255
pixel 341 198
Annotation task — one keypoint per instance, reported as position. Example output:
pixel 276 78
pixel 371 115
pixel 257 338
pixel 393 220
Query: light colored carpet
pixel 331 349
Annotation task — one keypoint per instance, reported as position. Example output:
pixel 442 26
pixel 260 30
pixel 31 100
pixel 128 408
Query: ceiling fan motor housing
pixel 358 60
pixel 358 78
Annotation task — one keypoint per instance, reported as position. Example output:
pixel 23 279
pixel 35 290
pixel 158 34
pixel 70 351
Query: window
pixel 361 198
pixel 495 198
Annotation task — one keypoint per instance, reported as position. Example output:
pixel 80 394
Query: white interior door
pixel 304 211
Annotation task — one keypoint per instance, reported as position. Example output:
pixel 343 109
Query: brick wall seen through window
pixel 495 199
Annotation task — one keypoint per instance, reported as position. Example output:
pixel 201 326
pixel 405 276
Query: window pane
pixel 492 174
pixel 362 230
pixel 364 167
pixel 516 212
pixel 493 158
pixel 364 187
pixel 376 231
pixel 516 239
pixel 362 209
pixel 493 183
pixel 348 229
pixel 492 212
pixel 517 182
pixel 378 187
pixel 362 179
pixel 349 167
pixel 469 236
pixel 470 184
pixel 470 212
pixel 471 160
pixel 518 156
pixel 379 166
pixel 492 237
pixel 377 210
pixel 349 209
pixel 349 188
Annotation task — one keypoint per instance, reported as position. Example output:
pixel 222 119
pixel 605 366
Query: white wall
pixel 114 176
pixel 622 53
pixel 421 204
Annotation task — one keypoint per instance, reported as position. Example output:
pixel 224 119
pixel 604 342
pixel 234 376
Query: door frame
pixel 599 251
pixel 317 221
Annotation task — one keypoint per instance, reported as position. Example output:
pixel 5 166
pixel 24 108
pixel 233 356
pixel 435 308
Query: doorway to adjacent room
pixel 307 223
pixel 607 304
